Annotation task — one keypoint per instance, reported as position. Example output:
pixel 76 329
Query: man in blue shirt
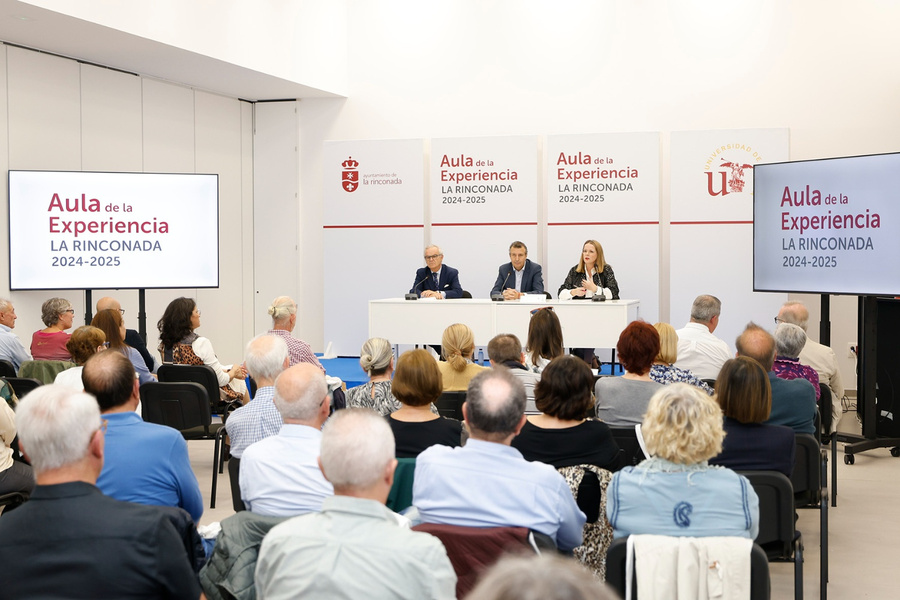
pixel 11 348
pixel 145 463
pixel 487 483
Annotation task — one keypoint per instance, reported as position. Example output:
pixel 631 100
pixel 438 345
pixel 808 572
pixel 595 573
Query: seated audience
pixel 84 342
pixel 279 475
pixel 180 345
pixel 11 349
pixel 132 337
pixel 789 341
pixel 284 318
pixel 71 541
pixel 50 343
pixel 676 492
pixel 110 321
pixel 354 547
pixel 663 369
pixel 417 384
pixel 699 351
pixel 266 357
pixel 545 341
pixel 145 463
pixel 457 346
pixel 505 350
pixel 561 436
pixel 543 577
pixel 486 483
pixel 376 357
pixel 793 401
pixel 744 393
pixel 15 475
pixel 622 401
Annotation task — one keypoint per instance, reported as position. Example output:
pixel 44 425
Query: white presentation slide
pixel 85 230
pixel 827 226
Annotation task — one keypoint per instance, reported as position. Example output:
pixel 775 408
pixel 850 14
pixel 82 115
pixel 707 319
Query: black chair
pixel 760 583
pixel 22 385
pixel 234 476
pixel 12 501
pixel 825 410
pixel 7 369
pixel 777 534
pixel 808 480
pixel 710 382
pixel 202 374
pixel 626 438
pixel 183 405
pixel 449 404
pixel 466 294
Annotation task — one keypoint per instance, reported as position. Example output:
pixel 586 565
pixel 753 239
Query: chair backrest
pixel 825 407
pixel 806 475
pixel 7 369
pixel 760 583
pixel 473 549
pixel 626 438
pixel 234 476
pixel 400 496
pixel 23 385
pixel 12 500
pixel 776 511
pixel 202 374
pixel 449 404
pixel 44 370
pixel 181 405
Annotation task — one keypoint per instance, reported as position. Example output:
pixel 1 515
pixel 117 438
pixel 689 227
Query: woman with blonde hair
pixel 676 492
pixel 376 357
pixel 590 276
pixel 457 346
pixel 663 369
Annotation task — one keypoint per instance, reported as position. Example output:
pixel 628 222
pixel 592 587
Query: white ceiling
pixel 32 27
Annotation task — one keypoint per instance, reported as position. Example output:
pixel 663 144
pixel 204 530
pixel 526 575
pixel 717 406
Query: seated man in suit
pixel 132 337
pixel 793 401
pixel 436 280
pixel 71 541
pixel 519 276
pixel 487 483
pixel 505 350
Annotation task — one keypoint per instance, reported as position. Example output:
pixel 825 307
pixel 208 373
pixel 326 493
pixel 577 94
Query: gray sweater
pixel 622 402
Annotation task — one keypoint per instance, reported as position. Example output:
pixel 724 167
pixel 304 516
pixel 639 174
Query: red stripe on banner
pixel 367 226
pixel 711 223
pixel 478 224
pixel 611 223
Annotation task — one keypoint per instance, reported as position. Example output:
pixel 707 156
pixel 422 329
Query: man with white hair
pixel 69 540
pixel 487 483
pixel 132 337
pixel 699 351
pixel 818 356
pixel 284 318
pixel 789 340
pixel 354 547
pixel 435 279
pixel 266 357
pixel 11 348
pixel 280 475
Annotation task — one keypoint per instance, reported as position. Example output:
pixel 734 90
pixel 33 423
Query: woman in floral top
pixel 664 370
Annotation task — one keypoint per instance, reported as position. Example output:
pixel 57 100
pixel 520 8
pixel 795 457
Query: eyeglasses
pixel 69 310
pixel 104 424
pixel 121 311
pixel 535 311
pixel 777 320
pixel 432 256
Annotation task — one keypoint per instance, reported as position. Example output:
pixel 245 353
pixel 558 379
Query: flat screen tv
pixel 89 230
pixel 829 226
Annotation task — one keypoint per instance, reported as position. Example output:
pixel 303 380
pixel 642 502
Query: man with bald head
pixel 279 474
pixel 793 401
pixel 11 347
pixel 132 337
pixel 487 483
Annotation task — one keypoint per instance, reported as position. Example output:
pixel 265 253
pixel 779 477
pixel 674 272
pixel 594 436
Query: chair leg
pixel 834 469
pixel 215 470
pixel 798 567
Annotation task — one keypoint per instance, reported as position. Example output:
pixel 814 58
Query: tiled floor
pixel 864 528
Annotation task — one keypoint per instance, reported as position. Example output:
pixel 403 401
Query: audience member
pixel 519 276
pixel 745 396
pixel 545 340
pixel 266 357
pixel 622 401
pixel 676 492
pixel 113 327
pixel 699 351
pixel 284 318
pixel 376 357
pixel 663 369
pixel 15 475
pixel 354 547
pixel 145 463
pixel 417 384
pixel 132 337
pixel 486 483
pixel 457 369
pixel 11 348
pixel 544 577
pixel 279 475
pixel 505 350
pixel 819 357
pixel 793 401
pixel 561 436
pixel 50 343
pixel 71 541
pixel 789 340
pixel 84 342
pixel 436 280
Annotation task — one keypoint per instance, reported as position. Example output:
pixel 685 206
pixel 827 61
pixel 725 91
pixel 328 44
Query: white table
pixel 585 324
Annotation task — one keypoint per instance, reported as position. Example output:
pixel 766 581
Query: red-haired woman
pixel 622 401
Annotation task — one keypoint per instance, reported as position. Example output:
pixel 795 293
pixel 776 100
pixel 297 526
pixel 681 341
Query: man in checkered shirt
pixel 284 317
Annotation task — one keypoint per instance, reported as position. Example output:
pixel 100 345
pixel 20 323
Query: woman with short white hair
pixel 676 492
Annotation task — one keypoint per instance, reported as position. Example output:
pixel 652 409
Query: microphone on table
pixel 601 297
pixel 498 296
pixel 412 295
